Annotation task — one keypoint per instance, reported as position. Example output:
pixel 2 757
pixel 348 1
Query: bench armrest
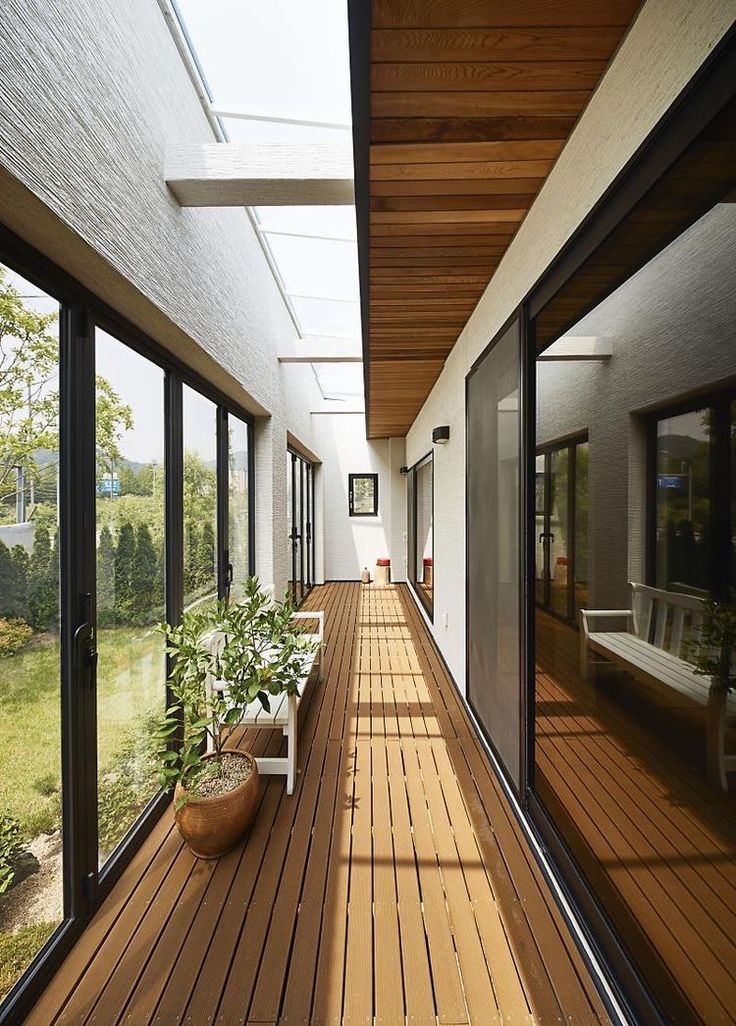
pixel 586 614
pixel 316 615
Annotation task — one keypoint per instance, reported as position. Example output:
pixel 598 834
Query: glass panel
pixel 340 381
pixel 333 318
pixel 238 505
pixel 306 264
pixel 683 502
pixel 363 489
pixel 200 499
pixel 308 528
pixel 131 670
pixel 290 519
pixel 330 222
pixel 581 527
pixel 627 735
pixel 559 527
pixel 298 531
pixel 425 533
pixel 494 684
pixel 732 577
pixel 31 857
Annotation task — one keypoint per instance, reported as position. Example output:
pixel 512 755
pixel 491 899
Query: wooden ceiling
pixel 469 104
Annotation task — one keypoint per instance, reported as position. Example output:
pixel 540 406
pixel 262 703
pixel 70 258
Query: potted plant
pixel 712 653
pixel 223 658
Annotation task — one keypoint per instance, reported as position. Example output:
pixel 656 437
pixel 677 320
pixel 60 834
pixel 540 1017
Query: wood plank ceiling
pixel 471 101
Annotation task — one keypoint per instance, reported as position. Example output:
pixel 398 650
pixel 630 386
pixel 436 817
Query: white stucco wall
pixel 351 543
pixel 665 46
pixel 93 92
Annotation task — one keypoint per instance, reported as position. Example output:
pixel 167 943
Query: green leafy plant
pixel 224 657
pixel 14 634
pixel 11 848
pixel 712 650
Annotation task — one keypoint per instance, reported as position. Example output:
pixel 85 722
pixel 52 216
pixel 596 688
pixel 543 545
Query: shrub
pixel 128 783
pixel 43 581
pixel 11 848
pixel 14 634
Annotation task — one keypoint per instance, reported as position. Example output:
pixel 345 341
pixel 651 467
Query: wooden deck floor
pixel 393 887
pixel 623 774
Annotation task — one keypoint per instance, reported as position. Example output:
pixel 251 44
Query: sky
pixel 290 58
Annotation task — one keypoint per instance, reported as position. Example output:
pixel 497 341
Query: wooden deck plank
pixel 358 997
pixel 388 997
pixel 391 888
pixel 556 981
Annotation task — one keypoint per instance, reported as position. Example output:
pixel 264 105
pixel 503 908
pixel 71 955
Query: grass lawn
pixel 130 684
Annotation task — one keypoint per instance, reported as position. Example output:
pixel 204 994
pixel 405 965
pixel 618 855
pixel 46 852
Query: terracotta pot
pixel 212 826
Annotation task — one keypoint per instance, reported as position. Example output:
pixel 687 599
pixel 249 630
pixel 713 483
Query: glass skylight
pixel 290 59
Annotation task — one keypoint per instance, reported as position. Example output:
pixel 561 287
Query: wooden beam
pixel 463 170
pixel 491 76
pixel 244 174
pixel 501 44
pixel 478 104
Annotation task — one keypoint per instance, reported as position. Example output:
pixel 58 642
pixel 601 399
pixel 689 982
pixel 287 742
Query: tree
pixel 191 557
pixel 43 582
pixel 28 401
pixel 29 396
pixel 142 577
pixel 112 418
pixel 124 556
pixel 13 582
pixel 106 578
pixel 206 555
pixel 200 489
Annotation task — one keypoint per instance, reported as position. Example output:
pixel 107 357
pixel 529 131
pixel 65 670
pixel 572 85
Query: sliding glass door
pixel 125 497
pixel 32 787
pixel 420 557
pixel 300 518
pixel 131 535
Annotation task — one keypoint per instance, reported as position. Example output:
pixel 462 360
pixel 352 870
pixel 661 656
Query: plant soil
pixel 235 770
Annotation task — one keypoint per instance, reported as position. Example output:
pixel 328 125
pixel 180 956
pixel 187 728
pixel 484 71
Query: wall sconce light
pixel 440 435
pixel 403 470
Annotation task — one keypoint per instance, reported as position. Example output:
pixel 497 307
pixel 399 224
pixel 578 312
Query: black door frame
pixel 80 312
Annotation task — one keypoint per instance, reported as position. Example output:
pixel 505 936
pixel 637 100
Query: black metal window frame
pixel 80 313
pixel 721 572
pixel 411 536
pixel 352 478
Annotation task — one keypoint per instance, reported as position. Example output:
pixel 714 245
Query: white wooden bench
pixel 284 709
pixel 658 622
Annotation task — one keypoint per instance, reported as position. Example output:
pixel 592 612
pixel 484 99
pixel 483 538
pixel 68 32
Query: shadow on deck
pixel 393 886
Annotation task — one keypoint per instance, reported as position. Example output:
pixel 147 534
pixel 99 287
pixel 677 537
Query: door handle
pixel 84 637
pixel 547 534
